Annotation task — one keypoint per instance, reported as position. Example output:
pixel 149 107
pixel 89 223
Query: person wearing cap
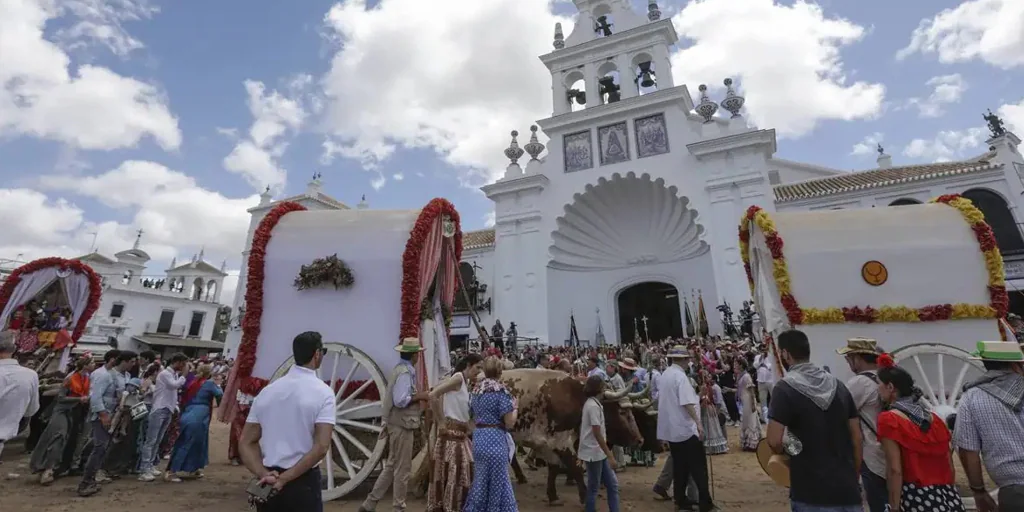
pixel 862 356
pixel 990 425
pixel 679 425
pixel 402 419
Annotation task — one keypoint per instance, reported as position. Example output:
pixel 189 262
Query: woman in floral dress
pixel 715 442
pixel 750 422
pixel 494 411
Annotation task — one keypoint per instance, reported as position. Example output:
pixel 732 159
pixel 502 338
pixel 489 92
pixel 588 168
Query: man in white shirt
pixel 165 401
pixel 288 431
pixel 765 381
pixel 19 390
pixel 679 425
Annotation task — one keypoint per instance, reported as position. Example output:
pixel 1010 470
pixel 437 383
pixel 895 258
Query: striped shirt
pixel 986 425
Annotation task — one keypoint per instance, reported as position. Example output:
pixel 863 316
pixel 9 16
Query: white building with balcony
pixel 635 201
pixel 172 311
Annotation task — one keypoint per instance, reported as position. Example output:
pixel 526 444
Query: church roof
pixel 200 265
pixel 320 197
pixel 877 178
pixel 135 252
pixel 478 239
pixel 97 257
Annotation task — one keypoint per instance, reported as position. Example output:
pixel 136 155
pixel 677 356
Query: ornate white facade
pixel 641 184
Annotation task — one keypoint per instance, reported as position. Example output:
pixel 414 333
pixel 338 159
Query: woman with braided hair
pixel 920 474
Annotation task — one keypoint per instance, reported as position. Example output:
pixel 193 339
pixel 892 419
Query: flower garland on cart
pixel 997 308
pixel 78 267
pixel 411 303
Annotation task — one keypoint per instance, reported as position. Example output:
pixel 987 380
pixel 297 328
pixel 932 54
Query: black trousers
pixel 690 461
pixel 300 495
pixel 730 405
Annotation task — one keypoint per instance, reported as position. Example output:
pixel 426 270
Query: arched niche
pixel 904 201
pixel 640 62
pixel 211 291
pixel 576 90
pixel 999 217
pixel 648 311
pixel 196 292
pixel 603 11
pixel 126 278
pixel 608 73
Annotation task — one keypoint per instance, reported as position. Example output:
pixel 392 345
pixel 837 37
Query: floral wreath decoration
pixel 62 265
pixel 325 271
pixel 410 302
pixel 997 308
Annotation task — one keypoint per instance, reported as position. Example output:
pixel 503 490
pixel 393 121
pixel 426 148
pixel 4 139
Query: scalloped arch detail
pixel 626 221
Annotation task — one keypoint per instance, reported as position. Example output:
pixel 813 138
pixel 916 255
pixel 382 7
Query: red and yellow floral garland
pixel 76 266
pixel 411 304
pixel 997 308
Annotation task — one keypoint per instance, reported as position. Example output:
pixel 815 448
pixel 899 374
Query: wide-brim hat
pixel 627 364
pixel 409 346
pixel 859 346
pixel 774 465
pixel 678 352
pixel 1003 351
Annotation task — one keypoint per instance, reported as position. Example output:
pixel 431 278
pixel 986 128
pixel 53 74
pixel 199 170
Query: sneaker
pixel 102 477
pixel 171 477
pixel 147 477
pixel 155 472
pixel 46 478
pixel 86 490
pixel 661 493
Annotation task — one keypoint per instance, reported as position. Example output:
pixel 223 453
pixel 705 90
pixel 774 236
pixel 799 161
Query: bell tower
pixel 612 54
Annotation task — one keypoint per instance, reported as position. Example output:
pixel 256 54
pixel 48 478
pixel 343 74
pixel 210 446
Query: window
pixel 116 310
pixel 196 325
pixel 164 325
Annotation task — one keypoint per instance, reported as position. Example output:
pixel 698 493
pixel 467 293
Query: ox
pixel 550 410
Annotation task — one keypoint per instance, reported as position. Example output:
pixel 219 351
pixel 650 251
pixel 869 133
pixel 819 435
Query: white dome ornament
pixel 706 108
pixel 513 152
pixel 559 37
pixel 732 102
pixel 653 12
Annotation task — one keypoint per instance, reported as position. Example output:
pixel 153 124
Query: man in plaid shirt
pixel 990 426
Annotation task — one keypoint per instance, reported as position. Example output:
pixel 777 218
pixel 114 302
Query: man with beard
pixel 819 411
pixel 990 425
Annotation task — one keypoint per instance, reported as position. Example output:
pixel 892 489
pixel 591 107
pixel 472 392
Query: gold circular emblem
pixel 874 273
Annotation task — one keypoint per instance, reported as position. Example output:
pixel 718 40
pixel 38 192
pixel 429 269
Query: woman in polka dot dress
pixel 920 475
pixel 494 411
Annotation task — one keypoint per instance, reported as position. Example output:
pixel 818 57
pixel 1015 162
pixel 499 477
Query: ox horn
pixel 616 395
pixel 644 393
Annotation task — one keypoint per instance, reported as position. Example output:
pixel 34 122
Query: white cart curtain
pixel 77 287
pixel 28 287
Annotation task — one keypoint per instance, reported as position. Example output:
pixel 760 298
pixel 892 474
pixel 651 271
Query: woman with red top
pixel 916 442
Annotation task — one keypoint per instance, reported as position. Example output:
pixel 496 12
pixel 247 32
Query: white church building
pixel 636 199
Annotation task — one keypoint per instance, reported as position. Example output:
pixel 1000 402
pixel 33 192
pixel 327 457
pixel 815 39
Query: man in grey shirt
pixel 862 357
pixel 105 387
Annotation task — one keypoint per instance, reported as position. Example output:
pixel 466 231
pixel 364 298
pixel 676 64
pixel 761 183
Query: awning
pixel 176 342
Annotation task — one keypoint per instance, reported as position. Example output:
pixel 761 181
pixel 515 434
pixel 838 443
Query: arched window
pixel 644 73
pixel 211 291
pixel 127 277
pixel 603 23
pixel 576 91
pixel 904 201
pixel 468 276
pixel 197 289
pixel 608 82
pixel 999 217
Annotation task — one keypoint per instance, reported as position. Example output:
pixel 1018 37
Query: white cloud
pixel 989 30
pixel 489 219
pixel 792 77
pixel 378 182
pixel 169 206
pixel 448 75
pixel 398 176
pixel 869 145
pixel 90 108
pixel 946 90
pixel 274 115
pixel 100 22
pixel 1013 115
pixel 948 145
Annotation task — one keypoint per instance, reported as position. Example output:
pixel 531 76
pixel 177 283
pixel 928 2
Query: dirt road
pixel 739 485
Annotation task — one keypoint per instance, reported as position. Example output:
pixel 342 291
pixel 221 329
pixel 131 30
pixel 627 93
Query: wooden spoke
pixel 933 366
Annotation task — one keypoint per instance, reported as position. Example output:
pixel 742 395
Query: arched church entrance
pixel 653 308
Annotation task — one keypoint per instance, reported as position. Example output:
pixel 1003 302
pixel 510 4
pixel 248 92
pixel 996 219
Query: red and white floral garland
pixel 76 266
pixel 411 304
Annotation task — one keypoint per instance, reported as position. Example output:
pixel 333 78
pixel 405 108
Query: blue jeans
pixel 600 472
pixel 875 490
pixel 803 507
pixel 159 420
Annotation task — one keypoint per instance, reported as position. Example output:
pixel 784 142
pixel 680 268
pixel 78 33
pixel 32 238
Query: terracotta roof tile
pixel 478 239
pixel 876 178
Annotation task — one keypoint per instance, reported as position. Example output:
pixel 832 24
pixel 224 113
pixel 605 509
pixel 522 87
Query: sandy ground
pixel 739 485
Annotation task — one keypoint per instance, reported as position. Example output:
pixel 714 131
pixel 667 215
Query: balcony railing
pixel 173 330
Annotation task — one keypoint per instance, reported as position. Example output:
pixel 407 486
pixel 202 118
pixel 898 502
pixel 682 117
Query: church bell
pixel 578 95
pixel 646 76
pixel 603 26
pixel 608 87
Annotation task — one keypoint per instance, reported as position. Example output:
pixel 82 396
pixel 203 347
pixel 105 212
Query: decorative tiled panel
pixel 578 151
pixel 613 142
pixel 651 136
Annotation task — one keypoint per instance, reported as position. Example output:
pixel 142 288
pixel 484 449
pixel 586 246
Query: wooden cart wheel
pixel 940 371
pixel 356 448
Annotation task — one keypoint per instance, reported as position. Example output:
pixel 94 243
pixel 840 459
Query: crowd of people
pixel 868 442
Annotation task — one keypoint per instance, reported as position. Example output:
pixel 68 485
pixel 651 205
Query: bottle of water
pixel 791 445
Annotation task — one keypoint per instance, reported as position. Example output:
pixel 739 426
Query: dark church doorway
pixel 659 303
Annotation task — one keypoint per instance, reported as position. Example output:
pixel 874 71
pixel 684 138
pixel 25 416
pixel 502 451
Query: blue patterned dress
pixel 192 448
pixel 492 489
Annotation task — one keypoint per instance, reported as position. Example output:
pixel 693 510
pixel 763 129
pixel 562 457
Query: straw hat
pixel 998 351
pixel 776 466
pixel 678 352
pixel 859 346
pixel 627 364
pixel 409 345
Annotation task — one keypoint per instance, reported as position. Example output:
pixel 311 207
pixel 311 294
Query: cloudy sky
pixel 172 116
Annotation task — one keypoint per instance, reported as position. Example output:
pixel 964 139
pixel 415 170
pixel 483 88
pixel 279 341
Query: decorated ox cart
pixel 365 280
pixel 925 281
